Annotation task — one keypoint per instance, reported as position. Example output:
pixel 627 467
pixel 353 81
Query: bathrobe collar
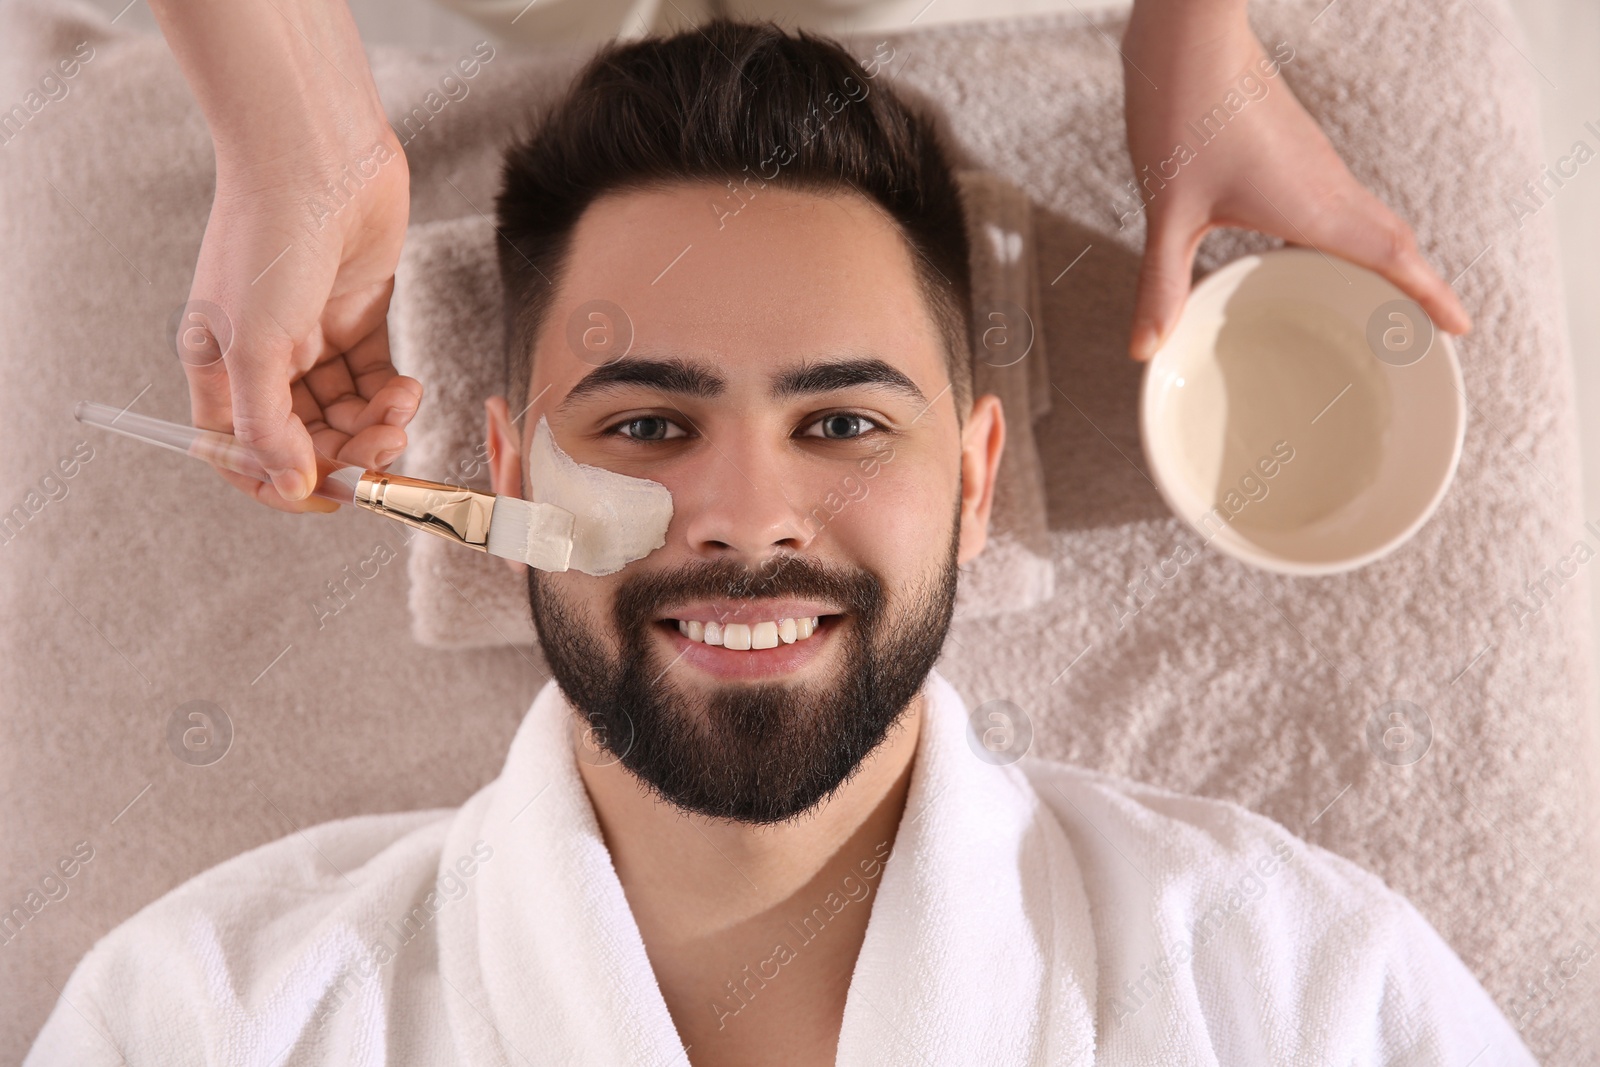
pixel 978 948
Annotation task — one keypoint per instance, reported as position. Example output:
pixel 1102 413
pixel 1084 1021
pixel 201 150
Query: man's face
pixel 783 378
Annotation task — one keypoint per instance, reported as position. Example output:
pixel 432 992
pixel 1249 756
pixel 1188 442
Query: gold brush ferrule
pixel 451 511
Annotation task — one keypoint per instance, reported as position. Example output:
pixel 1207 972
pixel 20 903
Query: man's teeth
pixel 741 635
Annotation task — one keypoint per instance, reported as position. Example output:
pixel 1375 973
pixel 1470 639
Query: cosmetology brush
pixel 538 534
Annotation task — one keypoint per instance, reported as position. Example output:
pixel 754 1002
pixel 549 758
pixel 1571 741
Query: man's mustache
pixel 854 590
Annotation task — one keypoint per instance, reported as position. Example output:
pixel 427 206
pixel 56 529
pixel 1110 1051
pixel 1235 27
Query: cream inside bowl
pixel 1303 416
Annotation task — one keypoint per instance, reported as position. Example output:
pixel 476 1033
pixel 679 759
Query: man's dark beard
pixel 760 752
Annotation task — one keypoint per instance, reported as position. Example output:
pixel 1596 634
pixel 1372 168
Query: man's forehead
pixel 658 290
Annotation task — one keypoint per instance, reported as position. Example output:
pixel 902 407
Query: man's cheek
pixel 583 600
pixel 593 598
pixel 895 520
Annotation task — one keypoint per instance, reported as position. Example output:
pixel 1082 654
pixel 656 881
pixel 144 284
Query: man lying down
pixel 770 843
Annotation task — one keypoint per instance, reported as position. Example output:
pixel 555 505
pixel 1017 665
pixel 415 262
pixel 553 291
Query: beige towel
pixel 447 333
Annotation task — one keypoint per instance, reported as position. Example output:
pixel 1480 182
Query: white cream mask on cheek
pixel 616 519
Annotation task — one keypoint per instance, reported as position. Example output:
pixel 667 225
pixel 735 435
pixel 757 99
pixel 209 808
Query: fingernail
pixel 398 416
pixel 1145 340
pixel 385 458
pixel 291 484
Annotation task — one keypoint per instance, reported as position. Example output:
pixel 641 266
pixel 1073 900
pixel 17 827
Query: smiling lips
pixel 743 636
pixel 731 640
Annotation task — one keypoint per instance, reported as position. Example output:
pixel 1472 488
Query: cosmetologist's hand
pixel 1266 167
pixel 284 340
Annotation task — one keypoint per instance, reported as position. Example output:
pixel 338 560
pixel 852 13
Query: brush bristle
pixel 539 535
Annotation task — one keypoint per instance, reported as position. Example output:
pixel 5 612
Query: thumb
pixel 205 334
pixel 263 413
pixel 1169 247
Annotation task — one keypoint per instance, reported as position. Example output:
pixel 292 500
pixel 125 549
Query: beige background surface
pixel 1232 684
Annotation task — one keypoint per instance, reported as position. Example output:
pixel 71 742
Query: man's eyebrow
pixel 686 378
pixel 664 375
pixel 843 374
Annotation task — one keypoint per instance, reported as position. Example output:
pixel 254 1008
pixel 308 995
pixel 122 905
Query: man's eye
pixel 649 428
pixel 841 427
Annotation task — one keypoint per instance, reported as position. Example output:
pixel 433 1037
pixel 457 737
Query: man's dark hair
pixel 727 101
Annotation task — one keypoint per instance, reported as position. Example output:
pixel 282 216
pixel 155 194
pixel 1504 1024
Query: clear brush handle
pixel 336 481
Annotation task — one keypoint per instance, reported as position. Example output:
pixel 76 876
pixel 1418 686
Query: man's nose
pixel 744 502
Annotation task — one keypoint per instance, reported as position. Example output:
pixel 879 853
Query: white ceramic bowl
pixel 1303 416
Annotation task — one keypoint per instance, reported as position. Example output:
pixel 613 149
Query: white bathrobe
pixel 1034 913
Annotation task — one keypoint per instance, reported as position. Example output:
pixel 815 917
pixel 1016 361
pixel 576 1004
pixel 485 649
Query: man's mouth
pixel 747 638
pixel 743 636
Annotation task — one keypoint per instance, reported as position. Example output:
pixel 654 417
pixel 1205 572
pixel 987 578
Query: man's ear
pixel 505 456
pixel 983 438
